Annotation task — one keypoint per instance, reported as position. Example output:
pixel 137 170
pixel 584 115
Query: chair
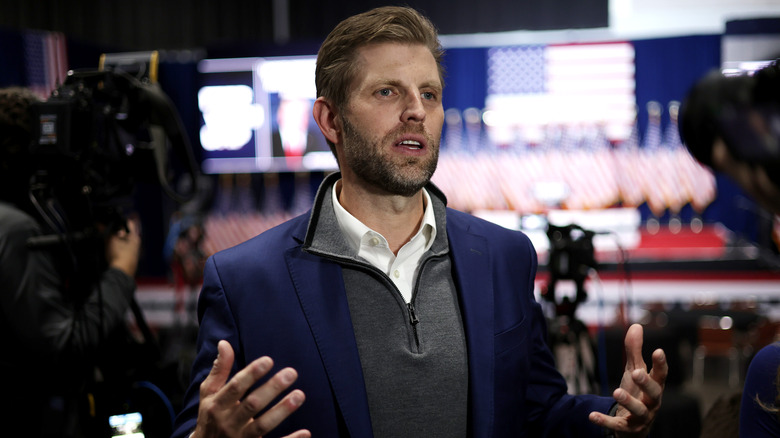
pixel 717 339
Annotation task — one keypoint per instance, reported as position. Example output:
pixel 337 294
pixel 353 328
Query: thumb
pixel 220 371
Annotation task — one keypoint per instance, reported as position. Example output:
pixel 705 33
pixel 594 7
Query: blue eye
pixel 385 92
pixel 428 95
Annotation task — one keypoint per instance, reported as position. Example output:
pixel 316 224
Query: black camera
pixel 743 109
pixel 572 256
pixel 99 134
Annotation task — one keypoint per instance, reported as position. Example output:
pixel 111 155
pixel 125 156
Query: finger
pixel 278 413
pixel 270 390
pixel 660 369
pixel 300 434
pixel 121 233
pixel 607 421
pixel 618 424
pixel 132 226
pixel 240 383
pixel 652 385
pixel 635 406
pixel 220 371
pixel 650 399
pixel 633 344
pixel 259 398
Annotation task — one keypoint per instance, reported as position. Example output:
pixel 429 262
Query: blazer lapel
pixel 471 264
pixel 320 288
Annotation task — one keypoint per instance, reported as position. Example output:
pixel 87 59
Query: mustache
pixel 407 128
pixel 411 129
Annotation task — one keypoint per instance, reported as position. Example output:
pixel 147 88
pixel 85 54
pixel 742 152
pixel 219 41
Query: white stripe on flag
pixel 46 61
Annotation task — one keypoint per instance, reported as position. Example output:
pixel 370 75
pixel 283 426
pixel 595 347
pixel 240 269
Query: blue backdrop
pixel 665 69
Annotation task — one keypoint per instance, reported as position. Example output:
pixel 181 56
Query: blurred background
pixel 561 121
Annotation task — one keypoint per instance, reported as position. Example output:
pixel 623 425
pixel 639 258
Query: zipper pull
pixel 412 315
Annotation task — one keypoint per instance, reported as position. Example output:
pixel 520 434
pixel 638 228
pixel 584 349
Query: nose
pixel 414 110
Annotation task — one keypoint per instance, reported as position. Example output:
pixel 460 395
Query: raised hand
pixel 224 410
pixel 639 395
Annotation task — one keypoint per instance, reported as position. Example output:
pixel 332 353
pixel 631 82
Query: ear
pixel 326 117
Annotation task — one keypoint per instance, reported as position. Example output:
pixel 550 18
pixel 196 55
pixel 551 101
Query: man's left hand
pixel 639 395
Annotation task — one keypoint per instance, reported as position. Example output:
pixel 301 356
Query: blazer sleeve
pixel 530 395
pixel 555 413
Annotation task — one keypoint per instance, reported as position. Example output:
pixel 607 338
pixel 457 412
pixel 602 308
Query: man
pixel 54 325
pixel 398 316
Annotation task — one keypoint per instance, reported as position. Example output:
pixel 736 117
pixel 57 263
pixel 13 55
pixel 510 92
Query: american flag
pixel 627 162
pixel 566 105
pixel 776 230
pixel 45 60
pixel 534 86
pixel 552 97
pixel 651 167
pixel 516 70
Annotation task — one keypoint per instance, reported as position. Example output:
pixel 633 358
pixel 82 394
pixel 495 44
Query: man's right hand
pixel 224 413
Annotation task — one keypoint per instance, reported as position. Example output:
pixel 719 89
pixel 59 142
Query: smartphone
pixel 129 425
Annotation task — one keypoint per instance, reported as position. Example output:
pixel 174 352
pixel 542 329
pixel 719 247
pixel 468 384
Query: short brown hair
pixel 336 67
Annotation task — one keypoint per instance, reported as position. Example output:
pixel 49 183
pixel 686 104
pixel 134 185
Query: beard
pixel 403 176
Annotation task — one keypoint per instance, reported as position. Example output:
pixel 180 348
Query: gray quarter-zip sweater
pixel 413 356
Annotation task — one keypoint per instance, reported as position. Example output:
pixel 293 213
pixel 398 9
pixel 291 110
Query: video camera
pixel 742 108
pixel 572 255
pixel 99 134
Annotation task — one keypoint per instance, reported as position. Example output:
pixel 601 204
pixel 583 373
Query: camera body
pixel 743 109
pixel 572 256
pixel 86 138
pixel 99 134
pixel 83 127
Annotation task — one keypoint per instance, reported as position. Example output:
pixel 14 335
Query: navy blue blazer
pixel 268 297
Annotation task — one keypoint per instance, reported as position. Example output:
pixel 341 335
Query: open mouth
pixel 412 144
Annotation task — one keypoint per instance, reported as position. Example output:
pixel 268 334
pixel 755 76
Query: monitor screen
pixel 256 116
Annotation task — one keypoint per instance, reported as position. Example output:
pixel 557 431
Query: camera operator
pixel 52 334
pixel 733 125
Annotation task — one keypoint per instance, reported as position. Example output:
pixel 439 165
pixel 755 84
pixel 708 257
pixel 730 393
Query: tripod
pixel 571 257
pixel 575 354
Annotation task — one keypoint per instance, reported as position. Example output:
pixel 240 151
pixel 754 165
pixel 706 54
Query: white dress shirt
pixel 373 247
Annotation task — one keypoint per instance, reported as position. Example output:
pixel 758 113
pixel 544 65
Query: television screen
pixel 256 116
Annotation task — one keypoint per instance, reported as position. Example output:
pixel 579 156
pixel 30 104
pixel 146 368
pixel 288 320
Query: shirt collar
pixel 354 230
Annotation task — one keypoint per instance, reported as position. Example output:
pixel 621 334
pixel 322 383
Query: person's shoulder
pixel 763 365
pixel 769 353
pixel 15 220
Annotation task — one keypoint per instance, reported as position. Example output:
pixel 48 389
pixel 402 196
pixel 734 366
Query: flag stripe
pixel 567 84
pixel 45 61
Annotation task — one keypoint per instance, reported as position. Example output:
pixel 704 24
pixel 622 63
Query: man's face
pixel 393 119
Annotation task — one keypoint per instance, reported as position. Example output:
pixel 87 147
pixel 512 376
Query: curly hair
pixel 772 407
pixel 15 138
